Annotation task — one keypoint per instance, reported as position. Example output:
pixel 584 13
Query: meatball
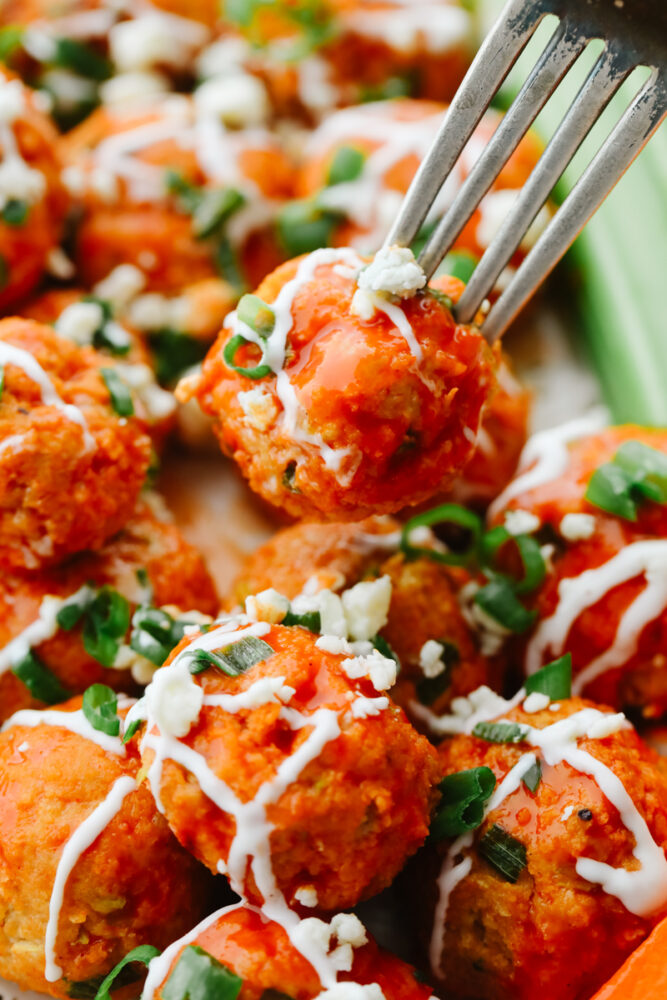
pixel 355 404
pixel 33 201
pixel 360 162
pixel 73 458
pixel 294 776
pixel 148 564
pixel 424 624
pixel 88 867
pixel 169 189
pixel 260 953
pixel 566 873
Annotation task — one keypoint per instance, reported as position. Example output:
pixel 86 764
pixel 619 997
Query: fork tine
pixel 564 47
pixel 493 62
pixel 634 129
pixel 604 79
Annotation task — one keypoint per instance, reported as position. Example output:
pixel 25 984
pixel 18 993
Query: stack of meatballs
pixel 433 677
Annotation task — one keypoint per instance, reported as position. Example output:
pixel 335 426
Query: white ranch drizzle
pixel 435 28
pixel 11 355
pixel 44 627
pixel 250 847
pixel 75 722
pixel 645 558
pixel 82 838
pixel 642 891
pixel 545 456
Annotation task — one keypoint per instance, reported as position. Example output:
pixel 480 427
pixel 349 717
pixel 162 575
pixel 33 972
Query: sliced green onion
pixel 459 264
pixel 498 599
pixel 256 314
pixel 533 776
pixel 199 976
pixel 440 297
pixel 554 680
pixel 40 682
pixel 503 852
pixel 173 353
pixel 304 226
pixel 99 706
pixel 131 730
pixel 346 165
pixel 121 398
pixel 234 659
pixel 380 643
pixel 72 612
pixel 464 796
pixel 609 489
pixel 155 633
pixel 213 210
pixel 77 56
pixel 15 212
pixel 189 195
pixel 109 336
pixel 530 554
pixel 312 620
pixel 229 353
pixel 647 468
pixel 106 622
pixel 429 689
pixel 11 39
pixel 144 954
pixel 228 265
pixel 500 732
pixel 447 513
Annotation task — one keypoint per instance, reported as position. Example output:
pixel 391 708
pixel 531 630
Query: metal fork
pixel 635 34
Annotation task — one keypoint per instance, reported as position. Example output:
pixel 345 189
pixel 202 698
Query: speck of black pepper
pixel 585 814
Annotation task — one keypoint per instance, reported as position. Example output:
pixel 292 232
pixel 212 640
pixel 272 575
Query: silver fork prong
pixel 604 79
pixel 635 127
pixel 564 47
pixel 493 62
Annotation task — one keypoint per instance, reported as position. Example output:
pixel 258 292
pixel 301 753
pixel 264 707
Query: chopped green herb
pixel 647 467
pixel 498 599
pixel 503 852
pixel 610 489
pixel 82 59
pixel 155 633
pixel 106 621
pixel 500 732
pixel 187 194
pixel 533 776
pixel 635 474
pixel 394 86
pixel 380 643
pixel 554 680
pixel 131 730
pixel 144 954
pixel 459 264
pixel 464 796
pixel 346 165
pixel 440 297
pixel 11 39
pixel 256 314
pixel 229 353
pixel 121 398
pixel 199 976
pixel 446 514
pixel 73 611
pixel 15 212
pixel 312 620
pixel 173 353
pixel 304 226
pixel 429 689
pixel 213 210
pixel 234 659
pixel 228 265
pixel 40 682
pixel 99 706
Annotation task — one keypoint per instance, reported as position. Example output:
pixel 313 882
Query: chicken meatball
pixel 338 401
pixel 282 764
pixel 64 629
pixel 88 867
pixel 33 201
pixel 73 456
pixel 558 868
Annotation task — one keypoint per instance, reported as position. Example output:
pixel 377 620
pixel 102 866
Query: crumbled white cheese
pixel 239 100
pixel 268 606
pixel 577 527
pixel 393 271
pixel 74 179
pixel 334 644
pixel 59 265
pixel 132 87
pixel 154 311
pixel 364 708
pixel 146 41
pixel 120 286
pixel 39 44
pixel 366 607
pixel 430 658
pixel 349 929
pixel 607 726
pixel 12 100
pixel 521 522
pixel 307 896
pixel 381 669
pixel 482 699
pixel 490 633
pixel 536 702
pixel 330 607
pixel 19 181
pixel 156 401
pixel 566 813
pixel 141 668
pixel 555 707
pixel 79 321
pixel 174 699
pixel 363 305
pixel 352 991
pixel 259 408
pixel 69 89
pixel 227 54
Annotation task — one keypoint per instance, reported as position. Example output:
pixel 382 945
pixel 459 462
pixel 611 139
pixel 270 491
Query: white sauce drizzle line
pixel 44 627
pixel 545 456
pixel 11 355
pixel 647 558
pixel 75 722
pixel 642 891
pixel 437 29
pixel 82 838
